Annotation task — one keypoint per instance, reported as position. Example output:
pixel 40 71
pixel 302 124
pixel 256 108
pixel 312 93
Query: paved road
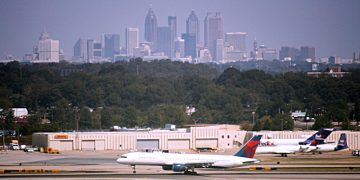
pixel 203 176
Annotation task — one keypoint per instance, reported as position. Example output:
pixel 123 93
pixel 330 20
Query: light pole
pixel 253 116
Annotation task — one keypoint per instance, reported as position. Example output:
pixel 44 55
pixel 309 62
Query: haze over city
pixel 332 27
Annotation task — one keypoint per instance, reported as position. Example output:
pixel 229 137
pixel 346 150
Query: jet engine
pixel 179 167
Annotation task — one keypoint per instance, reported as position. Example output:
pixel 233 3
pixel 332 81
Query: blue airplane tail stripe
pixel 342 144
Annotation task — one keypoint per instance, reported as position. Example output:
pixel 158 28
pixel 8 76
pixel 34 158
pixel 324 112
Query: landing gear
pixel 133 167
pixel 190 171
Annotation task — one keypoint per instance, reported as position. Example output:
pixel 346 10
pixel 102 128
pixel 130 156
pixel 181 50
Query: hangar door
pixel 147 144
pixel 178 144
pixel 88 145
pixel 66 145
pixel 207 143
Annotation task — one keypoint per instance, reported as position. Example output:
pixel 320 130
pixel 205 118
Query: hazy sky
pixel 331 26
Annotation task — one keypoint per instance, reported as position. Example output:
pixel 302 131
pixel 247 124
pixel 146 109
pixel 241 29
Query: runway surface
pixel 102 165
pixel 202 176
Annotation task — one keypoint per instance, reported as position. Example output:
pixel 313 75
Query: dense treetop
pixel 150 94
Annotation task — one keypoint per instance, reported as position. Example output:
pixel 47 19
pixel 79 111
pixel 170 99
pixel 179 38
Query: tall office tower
pixel 213 30
pixel 237 40
pixel 254 52
pixel 192 26
pixel 307 52
pixel 179 48
pixel 131 40
pixel 97 50
pixel 80 52
pixel 111 43
pixel 90 50
pixel 189 45
pixel 48 49
pixel 288 53
pixel 150 27
pixel 173 32
pixel 219 51
pixel 235 43
pixel 163 43
pixel 94 50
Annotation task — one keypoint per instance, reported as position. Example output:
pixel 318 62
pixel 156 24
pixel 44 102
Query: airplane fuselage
pixel 286 149
pixel 163 159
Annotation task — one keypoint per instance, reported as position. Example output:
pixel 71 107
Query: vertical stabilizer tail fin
pixel 249 149
pixel 319 137
pixel 342 144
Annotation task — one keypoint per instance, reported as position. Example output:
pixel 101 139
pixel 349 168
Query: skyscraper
pixel 213 30
pixel 288 53
pixel 173 33
pixel 90 50
pixel 219 51
pixel 163 43
pixel 131 40
pixel 237 40
pixel 235 43
pixel 111 43
pixel 97 50
pixel 94 50
pixel 192 26
pixel 80 52
pixel 307 52
pixel 48 49
pixel 179 48
pixel 150 27
pixel 189 44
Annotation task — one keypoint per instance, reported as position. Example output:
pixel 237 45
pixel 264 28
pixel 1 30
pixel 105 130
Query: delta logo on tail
pixel 249 148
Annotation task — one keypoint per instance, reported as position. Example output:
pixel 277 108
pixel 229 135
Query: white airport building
pixel 211 137
pixel 195 137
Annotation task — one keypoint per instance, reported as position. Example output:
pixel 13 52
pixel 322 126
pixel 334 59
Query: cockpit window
pixel 123 156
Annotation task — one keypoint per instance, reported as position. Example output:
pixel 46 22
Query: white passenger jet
pixel 188 162
pixel 284 150
pixel 322 133
pixel 340 145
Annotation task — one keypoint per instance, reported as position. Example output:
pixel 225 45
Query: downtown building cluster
pixel 164 42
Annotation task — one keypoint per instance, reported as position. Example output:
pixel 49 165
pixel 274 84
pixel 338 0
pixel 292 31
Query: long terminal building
pixel 216 137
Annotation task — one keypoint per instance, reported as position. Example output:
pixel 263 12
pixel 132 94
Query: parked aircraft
pixel 188 162
pixel 340 145
pixel 320 136
pixel 303 146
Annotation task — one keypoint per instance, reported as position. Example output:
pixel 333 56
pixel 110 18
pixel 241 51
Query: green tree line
pixel 151 94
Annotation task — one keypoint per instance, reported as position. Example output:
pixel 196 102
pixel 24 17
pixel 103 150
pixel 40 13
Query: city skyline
pixel 329 26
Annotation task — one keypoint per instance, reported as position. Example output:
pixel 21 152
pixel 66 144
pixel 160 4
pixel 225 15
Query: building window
pixel 235 136
pixel 222 136
pixel 228 144
pixel 228 136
